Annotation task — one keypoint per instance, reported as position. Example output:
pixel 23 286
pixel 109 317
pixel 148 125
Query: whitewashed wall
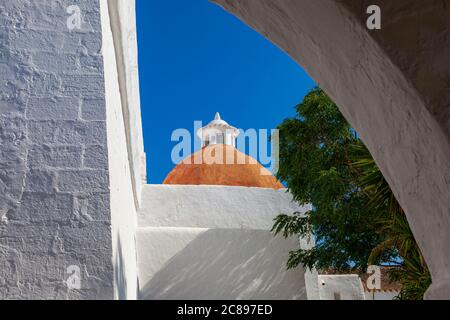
pixel 122 192
pixel 213 206
pixel 212 242
pixel 54 177
pixel 67 193
pixel 340 287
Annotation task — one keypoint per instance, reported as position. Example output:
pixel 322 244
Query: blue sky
pixel 196 59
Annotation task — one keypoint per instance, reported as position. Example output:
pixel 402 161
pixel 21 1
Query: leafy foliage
pixel 314 161
pixel 413 272
pixel 354 215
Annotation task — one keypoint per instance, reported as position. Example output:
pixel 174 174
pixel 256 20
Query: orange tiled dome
pixel 221 164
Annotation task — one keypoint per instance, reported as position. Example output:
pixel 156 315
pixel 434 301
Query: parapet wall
pixel 213 206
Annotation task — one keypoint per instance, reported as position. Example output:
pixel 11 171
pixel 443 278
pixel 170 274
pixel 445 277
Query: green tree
pixel 355 217
pixel 315 164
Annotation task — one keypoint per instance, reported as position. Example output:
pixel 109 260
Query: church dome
pixel 222 164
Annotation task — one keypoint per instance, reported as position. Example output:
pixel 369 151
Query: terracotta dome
pixel 221 164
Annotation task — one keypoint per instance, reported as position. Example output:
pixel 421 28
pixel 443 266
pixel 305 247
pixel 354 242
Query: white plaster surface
pixel 347 287
pixel 122 205
pixel 123 16
pixel 213 206
pixel 66 192
pixel 213 242
pixel 54 180
pixel 195 263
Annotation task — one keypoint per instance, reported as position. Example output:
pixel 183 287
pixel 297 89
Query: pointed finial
pixel 217 117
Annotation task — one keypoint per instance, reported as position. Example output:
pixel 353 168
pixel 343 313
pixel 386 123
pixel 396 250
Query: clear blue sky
pixel 196 59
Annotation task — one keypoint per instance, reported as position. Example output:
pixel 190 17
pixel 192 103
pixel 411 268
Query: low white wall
pixel 213 206
pixel 213 242
pixel 340 287
pixel 195 263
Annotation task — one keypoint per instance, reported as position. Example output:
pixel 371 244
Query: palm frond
pixel 380 248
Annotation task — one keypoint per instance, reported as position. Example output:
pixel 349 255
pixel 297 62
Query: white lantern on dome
pixel 218 131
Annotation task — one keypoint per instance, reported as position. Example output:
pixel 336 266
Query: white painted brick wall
pixel 54 181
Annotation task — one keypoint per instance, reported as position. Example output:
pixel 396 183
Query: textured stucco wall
pixel 54 182
pixel 212 242
pixel 341 287
pixel 391 84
